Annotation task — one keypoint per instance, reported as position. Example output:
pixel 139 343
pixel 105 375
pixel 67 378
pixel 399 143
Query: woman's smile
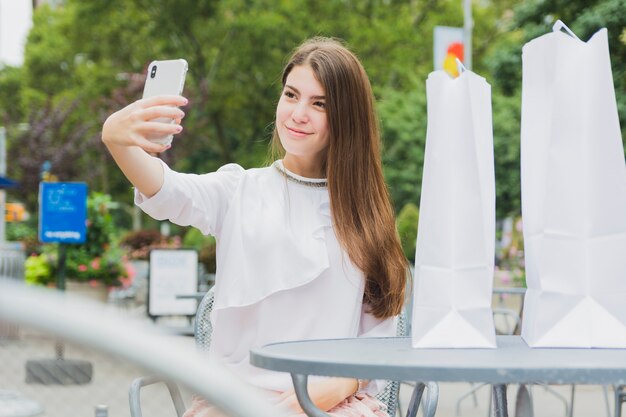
pixel 297 132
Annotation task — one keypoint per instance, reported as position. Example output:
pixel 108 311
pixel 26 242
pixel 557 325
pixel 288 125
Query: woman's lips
pixel 296 132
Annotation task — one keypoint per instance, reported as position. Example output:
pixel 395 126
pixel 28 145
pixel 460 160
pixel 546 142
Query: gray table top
pixel 394 359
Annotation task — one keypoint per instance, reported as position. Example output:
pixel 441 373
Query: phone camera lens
pixel 153 71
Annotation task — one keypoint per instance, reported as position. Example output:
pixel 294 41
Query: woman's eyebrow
pixel 298 92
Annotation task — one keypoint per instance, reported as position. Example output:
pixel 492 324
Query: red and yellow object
pixel 455 50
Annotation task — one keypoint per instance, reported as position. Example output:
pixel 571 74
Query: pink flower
pixel 82 268
pixel 95 264
pixel 93 283
pixel 130 270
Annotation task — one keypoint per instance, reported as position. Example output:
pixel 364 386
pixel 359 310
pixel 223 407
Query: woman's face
pixel 301 122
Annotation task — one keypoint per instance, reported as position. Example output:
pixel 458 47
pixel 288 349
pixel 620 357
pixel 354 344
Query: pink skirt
pixel 357 405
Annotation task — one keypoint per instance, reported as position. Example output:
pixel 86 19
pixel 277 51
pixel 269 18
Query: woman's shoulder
pixel 237 170
pixel 232 167
pixel 235 167
pixel 235 177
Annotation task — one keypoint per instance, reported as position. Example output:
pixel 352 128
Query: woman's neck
pixel 304 168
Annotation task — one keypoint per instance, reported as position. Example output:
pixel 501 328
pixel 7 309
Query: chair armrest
pixel 134 395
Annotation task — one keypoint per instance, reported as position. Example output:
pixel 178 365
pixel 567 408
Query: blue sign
pixel 63 212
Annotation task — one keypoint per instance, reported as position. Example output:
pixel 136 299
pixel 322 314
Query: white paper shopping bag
pixel 454 259
pixel 573 195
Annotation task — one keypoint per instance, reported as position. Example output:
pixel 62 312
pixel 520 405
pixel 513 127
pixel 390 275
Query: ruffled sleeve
pixel 201 201
pixel 273 239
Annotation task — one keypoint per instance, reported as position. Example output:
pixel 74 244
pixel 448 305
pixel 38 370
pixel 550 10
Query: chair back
pixel 203 328
pixel 389 394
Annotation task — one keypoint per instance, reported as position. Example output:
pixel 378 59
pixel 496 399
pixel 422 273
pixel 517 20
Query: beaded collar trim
pixel 298 179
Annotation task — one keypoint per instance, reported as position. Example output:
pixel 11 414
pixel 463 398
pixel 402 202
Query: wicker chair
pixel 203 332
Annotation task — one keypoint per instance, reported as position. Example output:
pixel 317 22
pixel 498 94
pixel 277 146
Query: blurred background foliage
pixel 85 59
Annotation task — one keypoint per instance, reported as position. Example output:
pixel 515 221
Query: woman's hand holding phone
pixel 125 133
pixel 147 126
pixel 133 125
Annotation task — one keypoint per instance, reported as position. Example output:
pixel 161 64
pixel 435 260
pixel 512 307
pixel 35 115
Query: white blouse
pixel 281 273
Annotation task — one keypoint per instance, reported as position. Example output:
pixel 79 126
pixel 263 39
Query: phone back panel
pixel 165 77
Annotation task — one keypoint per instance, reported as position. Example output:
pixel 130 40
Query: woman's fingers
pixel 133 124
pixel 156 112
pixel 150 147
pixel 164 100
pixel 159 128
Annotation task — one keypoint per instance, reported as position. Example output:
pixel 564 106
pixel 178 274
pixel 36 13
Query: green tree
pixel 408 219
pixel 95 54
pixel 403 115
pixel 585 17
pixel 522 23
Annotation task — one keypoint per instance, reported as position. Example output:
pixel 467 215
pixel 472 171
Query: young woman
pixel 307 247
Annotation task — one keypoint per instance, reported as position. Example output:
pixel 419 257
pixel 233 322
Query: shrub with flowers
pixel 139 243
pixel 37 270
pixel 98 260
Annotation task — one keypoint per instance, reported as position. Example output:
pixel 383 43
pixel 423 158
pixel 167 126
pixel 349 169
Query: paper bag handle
pixel 460 67
pixel 559 26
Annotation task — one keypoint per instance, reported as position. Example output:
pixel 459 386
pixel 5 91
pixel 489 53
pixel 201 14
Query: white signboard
pixel 173 272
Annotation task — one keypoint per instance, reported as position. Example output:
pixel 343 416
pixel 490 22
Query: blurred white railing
pixel 105 330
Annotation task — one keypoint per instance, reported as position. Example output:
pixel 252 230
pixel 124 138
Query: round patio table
pixel 395 359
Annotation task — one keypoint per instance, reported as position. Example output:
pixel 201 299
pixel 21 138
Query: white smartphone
pixel 165 77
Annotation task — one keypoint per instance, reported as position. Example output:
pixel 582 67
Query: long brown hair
pixel 362 213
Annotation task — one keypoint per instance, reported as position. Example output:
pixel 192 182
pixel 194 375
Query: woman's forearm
pixel 144 171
